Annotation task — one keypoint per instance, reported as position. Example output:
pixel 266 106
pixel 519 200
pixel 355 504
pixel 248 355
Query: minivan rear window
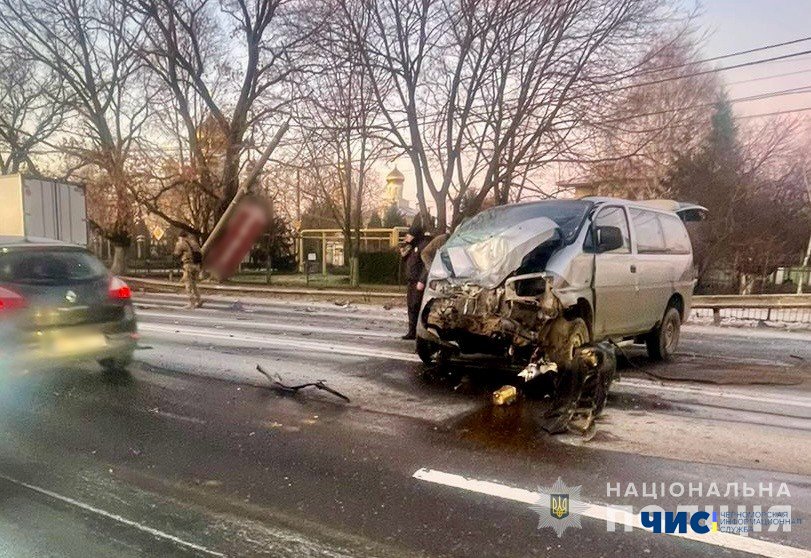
pixel 676 238
pixel 49 267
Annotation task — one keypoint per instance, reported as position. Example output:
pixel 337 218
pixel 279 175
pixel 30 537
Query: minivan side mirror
pixel 608 238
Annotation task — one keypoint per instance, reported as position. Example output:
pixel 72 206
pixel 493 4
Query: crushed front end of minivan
pixel 504 285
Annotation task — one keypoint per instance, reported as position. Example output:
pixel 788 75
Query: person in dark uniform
pixel 415 273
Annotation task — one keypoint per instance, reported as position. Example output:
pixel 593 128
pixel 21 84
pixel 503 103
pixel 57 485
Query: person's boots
pixel 410 336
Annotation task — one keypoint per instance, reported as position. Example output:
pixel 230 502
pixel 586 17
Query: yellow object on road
pixel 505 395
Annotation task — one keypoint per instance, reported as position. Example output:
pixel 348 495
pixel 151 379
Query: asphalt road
pixel 192 455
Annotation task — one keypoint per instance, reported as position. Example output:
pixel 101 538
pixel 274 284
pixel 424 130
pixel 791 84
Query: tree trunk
pixel 119 266
pixel 441 215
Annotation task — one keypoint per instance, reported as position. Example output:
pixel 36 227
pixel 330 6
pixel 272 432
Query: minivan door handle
pixel 633 269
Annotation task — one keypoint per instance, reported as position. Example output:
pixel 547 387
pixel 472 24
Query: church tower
pixel 394 187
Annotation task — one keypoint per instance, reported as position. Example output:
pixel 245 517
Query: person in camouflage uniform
pixel 188 250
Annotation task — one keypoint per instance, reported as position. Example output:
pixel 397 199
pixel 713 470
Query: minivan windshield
pixel 568 215
pixel 49 267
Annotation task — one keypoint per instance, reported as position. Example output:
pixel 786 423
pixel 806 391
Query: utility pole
pixel 299 241
pixel 298 196
pixel 807 258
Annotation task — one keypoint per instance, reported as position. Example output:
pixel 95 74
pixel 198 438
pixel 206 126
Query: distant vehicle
pixel 41 208
pixel 538 280
pixel 58 305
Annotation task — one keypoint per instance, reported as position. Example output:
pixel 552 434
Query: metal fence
pixel 792 309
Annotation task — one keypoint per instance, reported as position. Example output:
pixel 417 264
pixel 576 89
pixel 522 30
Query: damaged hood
pixel 486 260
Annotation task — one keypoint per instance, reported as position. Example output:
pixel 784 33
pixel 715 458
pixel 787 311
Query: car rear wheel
pixel 663 341
pixel 116 366
pixel 566 337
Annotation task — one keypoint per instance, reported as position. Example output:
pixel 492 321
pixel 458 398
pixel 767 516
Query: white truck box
pixel 42 208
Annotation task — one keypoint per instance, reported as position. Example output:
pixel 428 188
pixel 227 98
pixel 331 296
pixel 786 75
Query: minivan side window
pixel 676 238
pixel 650 238
pixel 614 217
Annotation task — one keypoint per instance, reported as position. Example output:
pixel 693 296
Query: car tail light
pixel 10 300
pixel 119 290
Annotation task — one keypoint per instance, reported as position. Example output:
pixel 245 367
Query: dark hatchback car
pixel 59 305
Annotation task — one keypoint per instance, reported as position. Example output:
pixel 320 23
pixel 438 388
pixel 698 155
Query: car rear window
pixel 49 267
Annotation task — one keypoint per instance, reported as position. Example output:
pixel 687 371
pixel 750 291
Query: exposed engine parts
pixel 504 315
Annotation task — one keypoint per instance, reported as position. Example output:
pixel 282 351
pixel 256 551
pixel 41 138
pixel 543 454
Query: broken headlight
pixel 439 285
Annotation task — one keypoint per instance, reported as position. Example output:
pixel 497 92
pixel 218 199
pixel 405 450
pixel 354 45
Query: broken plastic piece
pixel 535 369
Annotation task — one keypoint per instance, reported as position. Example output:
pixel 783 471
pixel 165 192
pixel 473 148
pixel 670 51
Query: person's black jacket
pixel 415 271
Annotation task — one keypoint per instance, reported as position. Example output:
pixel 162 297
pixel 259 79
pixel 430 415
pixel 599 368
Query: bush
pixel 379 267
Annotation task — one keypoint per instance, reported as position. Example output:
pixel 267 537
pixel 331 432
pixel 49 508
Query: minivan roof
pixel 687 211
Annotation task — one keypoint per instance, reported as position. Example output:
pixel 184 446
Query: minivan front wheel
pixel 428 351
pixel 663 340
pixel 565 340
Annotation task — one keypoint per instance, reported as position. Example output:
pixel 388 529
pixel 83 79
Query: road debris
pixel 582 393
pixel 535 369
pixel 505 395
pixel 279 386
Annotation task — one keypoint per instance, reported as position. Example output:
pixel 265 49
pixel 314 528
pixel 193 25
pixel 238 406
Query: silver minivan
pixel 535 281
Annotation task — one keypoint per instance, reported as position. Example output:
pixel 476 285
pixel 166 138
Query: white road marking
pixel 703 391
pixel 298 344
pixel 115 517
pixel 167 414
pixel 272 326
pixel 605 513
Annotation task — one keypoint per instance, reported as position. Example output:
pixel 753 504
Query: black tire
pixel 566 337
pixel 116 366
pixel 428 351
pixel 663 340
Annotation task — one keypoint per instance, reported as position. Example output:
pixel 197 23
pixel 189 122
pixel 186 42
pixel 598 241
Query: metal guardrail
pixel 788 308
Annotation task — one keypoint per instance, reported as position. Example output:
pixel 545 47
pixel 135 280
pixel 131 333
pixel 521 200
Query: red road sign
pixel 249 220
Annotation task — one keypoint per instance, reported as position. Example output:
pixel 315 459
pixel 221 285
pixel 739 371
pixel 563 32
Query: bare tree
pixel 224 71
pixel 483 94
pixel 32 109
pixel 661 113
pixel 81 41
pixel 338 114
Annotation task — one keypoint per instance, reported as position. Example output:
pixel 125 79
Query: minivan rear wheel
pixel 663 340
